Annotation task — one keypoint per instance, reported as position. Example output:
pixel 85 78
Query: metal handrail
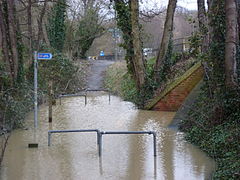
pixel 72 95
pixel 101 133
pixel 78 130
pixel 106 90
pixel 84 95
pixel 132 132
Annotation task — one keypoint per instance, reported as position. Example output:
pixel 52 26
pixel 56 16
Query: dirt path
pixel 96 74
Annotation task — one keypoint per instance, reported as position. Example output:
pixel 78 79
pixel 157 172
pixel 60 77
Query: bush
pixel 14 104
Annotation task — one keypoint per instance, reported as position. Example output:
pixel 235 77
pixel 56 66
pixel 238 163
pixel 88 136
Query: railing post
pixel 154 144
pixel 100 145
pixel 49 138
pixel 86 93
pixel 60 99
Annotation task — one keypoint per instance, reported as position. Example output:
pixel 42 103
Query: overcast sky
pixel 188 4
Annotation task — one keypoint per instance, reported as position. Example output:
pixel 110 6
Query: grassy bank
pixel 118 81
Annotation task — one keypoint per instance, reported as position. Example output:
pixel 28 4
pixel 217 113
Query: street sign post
pixel 38 56
pixel 44 56
pixel 35 90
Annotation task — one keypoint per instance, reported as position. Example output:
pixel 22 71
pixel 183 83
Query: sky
pixel 188 4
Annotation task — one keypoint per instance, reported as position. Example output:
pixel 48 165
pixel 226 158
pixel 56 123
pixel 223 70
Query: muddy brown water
pixel 74 156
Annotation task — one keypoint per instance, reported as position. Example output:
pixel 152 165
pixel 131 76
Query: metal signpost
pixel 38 56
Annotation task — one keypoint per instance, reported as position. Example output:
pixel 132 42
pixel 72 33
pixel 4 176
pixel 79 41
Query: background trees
pixel 10 39
pixel 85 23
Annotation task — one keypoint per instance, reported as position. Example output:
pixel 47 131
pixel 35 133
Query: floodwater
pixel 74 156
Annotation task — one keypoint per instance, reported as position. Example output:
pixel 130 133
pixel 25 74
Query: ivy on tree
pixel 56 25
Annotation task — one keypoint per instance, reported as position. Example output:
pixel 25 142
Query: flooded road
pixel 74 156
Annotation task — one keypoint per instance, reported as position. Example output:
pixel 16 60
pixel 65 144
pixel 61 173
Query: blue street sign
pixel 102 53
pixel 44 56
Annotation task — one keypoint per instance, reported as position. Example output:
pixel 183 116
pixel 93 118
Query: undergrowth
pixel 214 126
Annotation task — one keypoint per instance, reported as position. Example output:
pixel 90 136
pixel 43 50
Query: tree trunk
pixel 202 19
pixel 168 28
pixel 231 43
pixel 137 47
pixel 1 41
pixel 40 25
pixel 13 37
pixel 238 7
pixel 5 41
pixel 201 14
pixel 30 34
pixel 126 28
pixel 45 35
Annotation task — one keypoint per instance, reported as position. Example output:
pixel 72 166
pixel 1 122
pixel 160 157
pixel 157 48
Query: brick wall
pixel 174 98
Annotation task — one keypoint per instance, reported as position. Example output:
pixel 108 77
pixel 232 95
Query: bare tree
pixel 231 42
pixel 168 28
pixel 84 25
pixel 40 25
pixel 137 45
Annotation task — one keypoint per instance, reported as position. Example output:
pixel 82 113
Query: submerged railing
pixel 84 94
pixel 101 133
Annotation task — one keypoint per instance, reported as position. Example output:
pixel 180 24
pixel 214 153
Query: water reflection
pixel 75 155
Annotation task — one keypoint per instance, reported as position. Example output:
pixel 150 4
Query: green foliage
pixel 167 63
pixel 195 42
pixel 59 70
pixel 123 17
pixel 214 126
pixel 14 104
pixel 120 81
pixel 56 25
pixel 217 46
pixel 4 76
pixel 20 49
pixel 213 123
